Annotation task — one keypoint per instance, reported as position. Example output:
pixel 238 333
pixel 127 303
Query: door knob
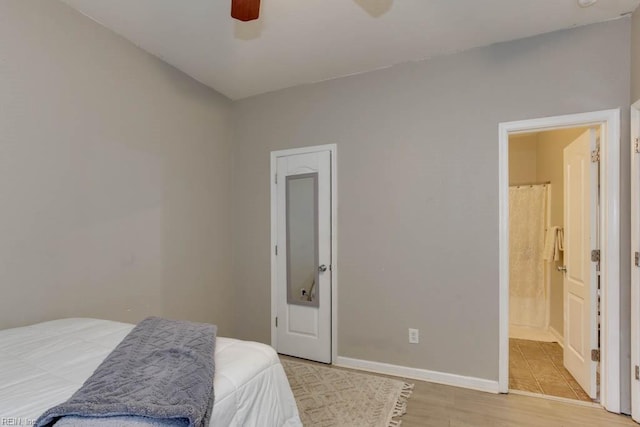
pixel 322 268
pixel 562 268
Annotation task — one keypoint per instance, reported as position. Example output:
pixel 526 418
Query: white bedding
pixel 44 364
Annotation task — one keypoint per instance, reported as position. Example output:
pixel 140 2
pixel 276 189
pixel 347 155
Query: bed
pixel 42 365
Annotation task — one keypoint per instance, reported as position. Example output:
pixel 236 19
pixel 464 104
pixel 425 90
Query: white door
pixel 303 259
pixel 580 280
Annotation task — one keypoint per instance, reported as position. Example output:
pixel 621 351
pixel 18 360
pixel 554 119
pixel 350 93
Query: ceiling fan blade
pixel 245 10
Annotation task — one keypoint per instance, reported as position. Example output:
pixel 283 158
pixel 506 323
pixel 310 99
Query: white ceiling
pixel 303 41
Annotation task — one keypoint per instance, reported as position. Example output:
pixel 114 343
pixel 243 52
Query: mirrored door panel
pixel 302 239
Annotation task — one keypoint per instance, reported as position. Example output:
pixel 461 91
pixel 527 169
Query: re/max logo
pixel 14 421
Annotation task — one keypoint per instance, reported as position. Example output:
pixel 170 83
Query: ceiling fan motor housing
pixel 245 10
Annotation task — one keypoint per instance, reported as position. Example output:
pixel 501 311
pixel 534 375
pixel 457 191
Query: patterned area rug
pixel 335 397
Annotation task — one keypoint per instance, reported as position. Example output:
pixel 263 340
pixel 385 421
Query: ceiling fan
pixel 245 10
pixel 248 10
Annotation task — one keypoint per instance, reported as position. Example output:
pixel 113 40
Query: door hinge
pixel 638 372
pixel 636 258
pixel 276 321
pixel 636 145
pixel 595 255
pixel 595 155
pixel 595 355
pixel 275 178
pixel 276 249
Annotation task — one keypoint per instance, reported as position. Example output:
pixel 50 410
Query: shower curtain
pixel 527 287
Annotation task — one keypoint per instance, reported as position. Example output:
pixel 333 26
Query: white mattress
pixel 44 364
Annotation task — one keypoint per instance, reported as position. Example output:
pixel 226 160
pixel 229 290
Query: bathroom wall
pixel 523 152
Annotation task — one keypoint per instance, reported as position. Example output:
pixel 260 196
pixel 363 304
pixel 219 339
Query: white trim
pixel 274 239
pixel 557 335
pixel 472 383
pixel 610 243
pixel 333 149
pixel 334 252
pixel 503 259
pixel 635 271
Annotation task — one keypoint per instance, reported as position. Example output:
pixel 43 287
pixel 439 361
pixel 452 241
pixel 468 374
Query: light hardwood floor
pixel 435 405
pixel 439 405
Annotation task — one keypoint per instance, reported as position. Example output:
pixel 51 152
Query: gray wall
pixel 635 56
pixel 114 177
pixel 418 187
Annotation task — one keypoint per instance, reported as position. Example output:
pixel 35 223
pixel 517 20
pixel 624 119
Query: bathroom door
pixel 303 261
pixel 580 280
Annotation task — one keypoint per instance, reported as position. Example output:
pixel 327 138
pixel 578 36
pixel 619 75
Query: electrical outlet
pixel 414 336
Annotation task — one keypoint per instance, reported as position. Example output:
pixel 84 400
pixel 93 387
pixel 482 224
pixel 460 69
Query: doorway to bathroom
pixel 559 252
pixel 543 166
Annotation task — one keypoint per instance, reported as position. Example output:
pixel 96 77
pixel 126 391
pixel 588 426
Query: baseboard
pixel 419 374
pixel 558 336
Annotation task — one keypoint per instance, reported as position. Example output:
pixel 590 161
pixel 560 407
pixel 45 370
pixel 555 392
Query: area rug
pixel 336 397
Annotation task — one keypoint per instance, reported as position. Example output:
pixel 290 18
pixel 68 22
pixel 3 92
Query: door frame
pixel 635 271
pixel 609 120
pixel 333 150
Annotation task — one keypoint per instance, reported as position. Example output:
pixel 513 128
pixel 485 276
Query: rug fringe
pixel 400 407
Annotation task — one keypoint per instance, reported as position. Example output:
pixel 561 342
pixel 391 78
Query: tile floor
pixel 537 367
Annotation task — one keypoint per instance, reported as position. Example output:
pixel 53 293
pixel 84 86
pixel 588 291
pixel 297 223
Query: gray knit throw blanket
pixel 161 374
